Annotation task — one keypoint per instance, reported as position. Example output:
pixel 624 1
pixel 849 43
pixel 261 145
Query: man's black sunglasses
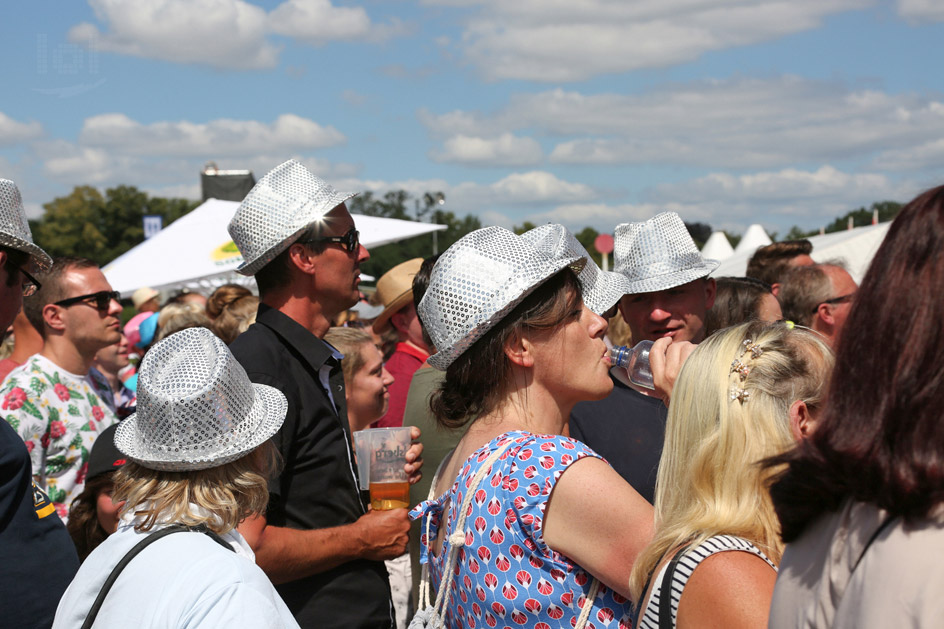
pixel 102 299
pixel 350 241
pixel 31 285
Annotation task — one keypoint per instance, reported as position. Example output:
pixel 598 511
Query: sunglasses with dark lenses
pixel 350 241
pixel 101 300
pixel 30 283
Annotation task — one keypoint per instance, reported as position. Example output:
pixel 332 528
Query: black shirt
pixel 318 484
pixel 627 429
pixel 37 558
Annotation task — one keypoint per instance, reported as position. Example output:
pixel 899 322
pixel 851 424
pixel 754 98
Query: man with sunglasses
pixel 36 552
pixel 317 541
pixel 51 400
pixel 819 297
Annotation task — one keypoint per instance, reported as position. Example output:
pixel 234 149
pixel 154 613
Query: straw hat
pixel 197 408
pixel 658 254
pixel 395 290
pixel 277 209
pixel 142 295
pixel 475 283
pixel 601 289
pixel 14 228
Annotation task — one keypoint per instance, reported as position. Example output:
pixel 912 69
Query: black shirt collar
pixel 313 350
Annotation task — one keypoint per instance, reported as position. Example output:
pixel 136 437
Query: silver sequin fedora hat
pixel 658 254
pixel 601 289
pixel 197 408
pixel 14 228
pixel 276 211
pixel 475 283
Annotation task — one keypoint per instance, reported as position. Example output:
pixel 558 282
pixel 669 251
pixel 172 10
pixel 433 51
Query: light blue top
pixel 183 580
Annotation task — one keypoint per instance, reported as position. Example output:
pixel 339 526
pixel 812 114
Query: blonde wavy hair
pixel 229 493
pixel 710 478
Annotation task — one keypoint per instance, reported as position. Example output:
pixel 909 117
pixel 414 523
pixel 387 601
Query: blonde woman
pixel 745 394
pixel 199 458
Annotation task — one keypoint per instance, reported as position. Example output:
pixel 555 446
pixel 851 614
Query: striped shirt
pixel 683 572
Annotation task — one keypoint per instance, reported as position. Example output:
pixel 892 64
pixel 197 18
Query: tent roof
pixel 718 247
pixel 754 237
pixel 197 247
pixel 855 247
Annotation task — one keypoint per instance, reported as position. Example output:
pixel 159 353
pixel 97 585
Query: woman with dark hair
pixel 860 503
pixel 739 300
pixel 519 349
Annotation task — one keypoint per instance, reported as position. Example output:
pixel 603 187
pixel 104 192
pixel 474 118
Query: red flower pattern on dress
pixel 61 391
pixel 98 413
pixel 14 400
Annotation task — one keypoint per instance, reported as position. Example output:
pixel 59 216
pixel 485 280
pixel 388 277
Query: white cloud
pixel 219 33
pixel 785 186
pixel 734 123
pixel 223 137
pixel 14 132
pixel 921 10
pixel 318 22
pixel 796 196
pixel 228 34
pixel 504 150
pixel 569 40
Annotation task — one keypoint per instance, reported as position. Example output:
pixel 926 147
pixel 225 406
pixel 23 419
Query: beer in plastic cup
pixel 389 486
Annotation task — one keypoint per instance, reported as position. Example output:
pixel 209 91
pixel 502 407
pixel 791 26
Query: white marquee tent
pixel 855 247
pixel 196 250
pixel 718 247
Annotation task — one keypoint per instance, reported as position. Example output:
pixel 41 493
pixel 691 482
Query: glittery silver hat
pixel 475 283
pixel 658 254
pixel 601 289
pixel 14 228
pixel 277 209
pixel 197 407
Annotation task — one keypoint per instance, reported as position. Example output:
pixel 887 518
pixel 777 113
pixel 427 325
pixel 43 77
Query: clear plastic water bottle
pixel 635 361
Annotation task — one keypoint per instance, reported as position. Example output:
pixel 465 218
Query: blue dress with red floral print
pixel 506 575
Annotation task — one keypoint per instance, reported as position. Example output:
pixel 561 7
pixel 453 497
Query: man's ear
pixel 52 317
pixel 396 320
pixel 825 313
pixel 711 289
pixel 775 289
pixel 801 422
pixel 300 257
pixel 519 350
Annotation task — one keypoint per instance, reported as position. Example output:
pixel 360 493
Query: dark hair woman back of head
pixel 881 438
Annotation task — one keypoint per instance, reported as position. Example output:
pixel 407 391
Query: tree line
pixel 101 227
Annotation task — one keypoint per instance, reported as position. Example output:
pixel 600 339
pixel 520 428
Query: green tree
pixel 887 210
pixel 86 223
pixel 395 204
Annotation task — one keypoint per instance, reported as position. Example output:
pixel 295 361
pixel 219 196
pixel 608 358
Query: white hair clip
pixel 752 347
pixel 740 395
pixel 739 368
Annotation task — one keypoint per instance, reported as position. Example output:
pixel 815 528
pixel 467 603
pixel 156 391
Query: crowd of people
pixel 781 471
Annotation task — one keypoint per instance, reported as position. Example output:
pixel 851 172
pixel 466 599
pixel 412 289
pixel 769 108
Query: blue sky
pixel 584 112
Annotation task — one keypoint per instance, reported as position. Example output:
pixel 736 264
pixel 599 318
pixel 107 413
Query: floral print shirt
pixel 58 415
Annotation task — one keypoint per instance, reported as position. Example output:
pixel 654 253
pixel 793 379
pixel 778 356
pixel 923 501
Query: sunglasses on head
pixel 350 241
pixel 100 300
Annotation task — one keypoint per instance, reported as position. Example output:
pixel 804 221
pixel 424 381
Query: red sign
pixel 603 243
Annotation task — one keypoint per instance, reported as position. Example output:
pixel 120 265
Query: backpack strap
pixel 135 550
